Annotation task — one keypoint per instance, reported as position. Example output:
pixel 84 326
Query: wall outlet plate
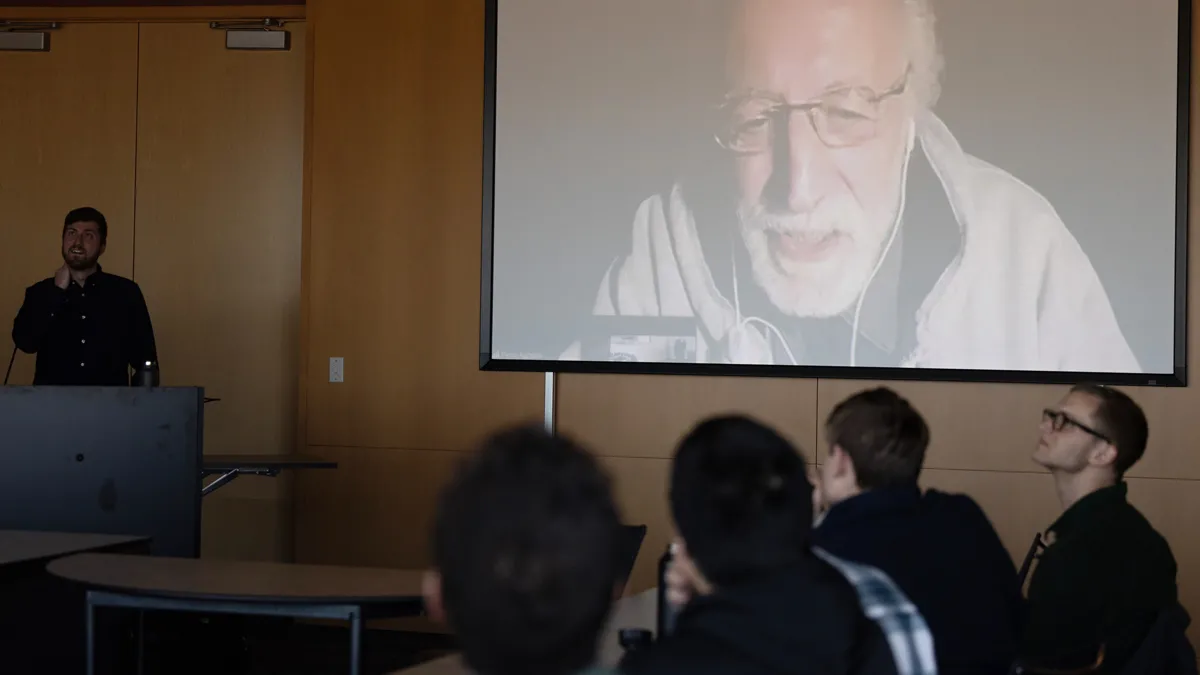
pixel 337 369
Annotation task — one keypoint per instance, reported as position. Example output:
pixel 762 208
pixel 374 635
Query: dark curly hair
pixel 526 541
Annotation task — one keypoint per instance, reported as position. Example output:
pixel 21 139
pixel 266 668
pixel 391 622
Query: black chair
pixel 1166 649
pixel 1026 669
pixel 629 546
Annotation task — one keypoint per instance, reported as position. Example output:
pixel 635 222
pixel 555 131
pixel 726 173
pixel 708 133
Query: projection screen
pixel 895 189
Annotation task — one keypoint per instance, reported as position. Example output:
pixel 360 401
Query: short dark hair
pixel 740 498
pixel 884 435
pixel 87 214
pixel 1122 420
pixel 525 541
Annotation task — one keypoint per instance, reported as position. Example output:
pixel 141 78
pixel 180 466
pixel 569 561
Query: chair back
pixel 1020 668
pixel 1166 649
pixel 630 544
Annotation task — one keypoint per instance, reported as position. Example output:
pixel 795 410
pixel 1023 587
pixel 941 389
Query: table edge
pixel 110 547
pixel 176 594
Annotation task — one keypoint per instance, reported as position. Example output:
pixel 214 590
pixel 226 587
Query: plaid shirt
pixel 884 603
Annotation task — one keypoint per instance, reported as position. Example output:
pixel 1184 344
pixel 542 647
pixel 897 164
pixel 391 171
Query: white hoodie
pixel 1020 295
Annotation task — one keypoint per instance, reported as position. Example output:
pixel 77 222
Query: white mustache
pixel 819 223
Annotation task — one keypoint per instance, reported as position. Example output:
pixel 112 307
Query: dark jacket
pixel 942 551
pixel 1105 579
pixel 803 621
pixel 85 335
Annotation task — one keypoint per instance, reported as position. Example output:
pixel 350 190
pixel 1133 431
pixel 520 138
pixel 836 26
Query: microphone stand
pixel 11 361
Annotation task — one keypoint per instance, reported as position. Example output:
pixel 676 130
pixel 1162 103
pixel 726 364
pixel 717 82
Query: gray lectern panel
pixel 111 460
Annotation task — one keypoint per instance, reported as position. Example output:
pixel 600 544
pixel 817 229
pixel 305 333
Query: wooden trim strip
pixel 207 13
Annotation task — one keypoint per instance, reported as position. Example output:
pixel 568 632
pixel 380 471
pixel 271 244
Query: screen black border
pixel 1176 378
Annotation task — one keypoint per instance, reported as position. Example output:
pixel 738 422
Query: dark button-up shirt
pixel 942 551
pixel 1103 580
pixel 87 335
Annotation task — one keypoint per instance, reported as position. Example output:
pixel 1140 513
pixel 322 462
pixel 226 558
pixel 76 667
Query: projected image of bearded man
pixel 839 222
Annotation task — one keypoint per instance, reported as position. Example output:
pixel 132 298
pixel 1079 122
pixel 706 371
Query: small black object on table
pixel 633 639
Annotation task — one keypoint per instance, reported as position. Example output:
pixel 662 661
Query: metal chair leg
pixel 355 642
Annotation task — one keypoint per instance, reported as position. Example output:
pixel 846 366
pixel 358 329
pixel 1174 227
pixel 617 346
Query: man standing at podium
pixel 87 327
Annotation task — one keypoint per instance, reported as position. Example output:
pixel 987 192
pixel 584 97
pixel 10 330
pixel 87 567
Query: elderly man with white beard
pixel 845 226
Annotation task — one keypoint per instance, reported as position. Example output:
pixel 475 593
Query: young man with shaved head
pixel 1107 575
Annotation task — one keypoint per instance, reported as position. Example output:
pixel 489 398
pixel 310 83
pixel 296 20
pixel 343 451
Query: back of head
pixel 884 436
pixel 740 498
pixel 526 546
pixel 1121 420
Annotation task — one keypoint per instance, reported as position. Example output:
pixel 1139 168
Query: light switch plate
pixel 337 370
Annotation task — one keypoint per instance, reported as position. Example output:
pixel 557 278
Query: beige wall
pixel 392 282
pixel 195 155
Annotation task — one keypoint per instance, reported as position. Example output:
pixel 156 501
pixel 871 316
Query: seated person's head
pixel 1095 431
pixel 525 548
pixel 741 500
pixel 876 439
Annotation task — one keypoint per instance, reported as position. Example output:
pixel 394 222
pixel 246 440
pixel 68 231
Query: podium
pixel 104 460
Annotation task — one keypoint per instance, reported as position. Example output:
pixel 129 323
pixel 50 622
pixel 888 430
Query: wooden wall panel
pixel 144 3
pixel 376 509
pixel 239 528
pixel 67 128
pixel 87 11
pixel 395 247
pixel 219 193
pixel 645 416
